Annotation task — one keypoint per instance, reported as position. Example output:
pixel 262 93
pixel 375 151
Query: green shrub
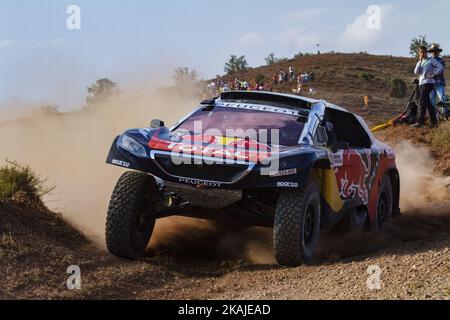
pixel 366 76
pixel 398 88
pixel 303 54
pixel 21 181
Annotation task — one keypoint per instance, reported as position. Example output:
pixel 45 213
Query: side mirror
pixel 208 102
pixel 339 145
pixel 155 123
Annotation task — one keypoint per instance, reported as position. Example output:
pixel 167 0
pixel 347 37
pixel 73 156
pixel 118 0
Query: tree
pixel 416 43
pixel 270 60
pixel 101 90
pixel 236 64
pixel 301 54
pixel 184 77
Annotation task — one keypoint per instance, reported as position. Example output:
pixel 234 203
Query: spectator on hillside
pixel 281 77
pixel 439 89
pixel 275 79
pixel 428 69
pixel 237 84
pixel 267 87
pixel 261 87
pixel 225 88
pixel 291 74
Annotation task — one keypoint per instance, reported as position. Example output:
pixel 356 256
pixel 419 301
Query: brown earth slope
pixel 338 80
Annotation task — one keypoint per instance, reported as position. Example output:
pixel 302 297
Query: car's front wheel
pixel 297 226
pixel 131 215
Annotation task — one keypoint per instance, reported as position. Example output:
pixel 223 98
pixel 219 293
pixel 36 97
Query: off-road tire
pixel 131 215
pixel 293 245
pixel 385 202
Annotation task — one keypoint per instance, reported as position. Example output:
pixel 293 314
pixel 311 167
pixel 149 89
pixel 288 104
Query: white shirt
pixel 428 70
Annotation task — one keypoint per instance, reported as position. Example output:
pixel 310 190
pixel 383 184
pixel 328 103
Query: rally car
pixel 297 165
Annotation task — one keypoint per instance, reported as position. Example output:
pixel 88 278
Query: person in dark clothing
pixel 428 69
pixel 439 90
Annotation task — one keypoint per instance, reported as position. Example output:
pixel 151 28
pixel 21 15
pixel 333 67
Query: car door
pixel 353 167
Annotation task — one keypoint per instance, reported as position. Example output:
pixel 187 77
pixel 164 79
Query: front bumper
pixel 212 172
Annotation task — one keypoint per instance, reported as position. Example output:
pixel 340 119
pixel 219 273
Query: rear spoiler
pixel 269 98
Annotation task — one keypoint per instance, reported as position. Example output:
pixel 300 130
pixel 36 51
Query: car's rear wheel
pixel 297 226
pixel 131 215
pixel 385 202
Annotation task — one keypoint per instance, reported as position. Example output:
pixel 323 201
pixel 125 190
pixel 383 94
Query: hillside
pixel 338 79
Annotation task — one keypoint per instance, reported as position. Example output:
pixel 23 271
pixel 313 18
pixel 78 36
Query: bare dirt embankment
pixel 192 259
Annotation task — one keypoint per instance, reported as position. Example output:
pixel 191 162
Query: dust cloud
pixel 70 149
pixel 194 240
pixel 420 184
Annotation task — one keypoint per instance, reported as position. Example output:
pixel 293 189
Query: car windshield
pixel 239 122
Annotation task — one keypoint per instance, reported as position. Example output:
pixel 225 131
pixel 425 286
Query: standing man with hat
pixel 428 69
pixel 439 89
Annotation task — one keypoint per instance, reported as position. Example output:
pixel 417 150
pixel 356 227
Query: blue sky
pixel 140 42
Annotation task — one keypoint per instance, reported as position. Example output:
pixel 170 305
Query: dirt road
pixel 413 254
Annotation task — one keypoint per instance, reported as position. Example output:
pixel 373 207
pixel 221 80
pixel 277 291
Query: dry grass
pixel 21 182
pixel 441 137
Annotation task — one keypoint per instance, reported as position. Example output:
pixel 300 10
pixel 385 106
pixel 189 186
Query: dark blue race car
pixel 297 165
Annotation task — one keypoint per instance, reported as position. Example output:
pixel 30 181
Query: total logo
pixel 201 183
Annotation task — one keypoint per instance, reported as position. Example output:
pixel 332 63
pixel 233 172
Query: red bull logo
pixel 356 175
pixel 212 146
